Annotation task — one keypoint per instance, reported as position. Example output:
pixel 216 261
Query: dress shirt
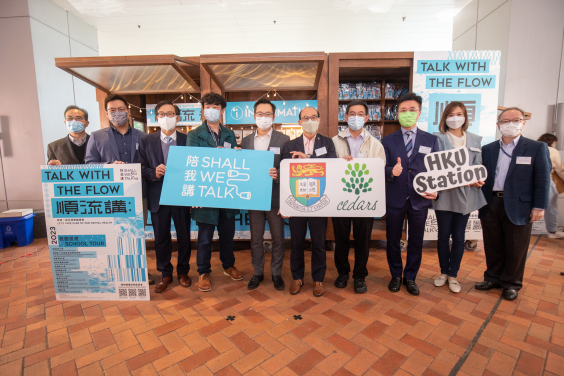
pixel 308 145
pixel 123 143
pixel 166 145
pixel 216 136
pixel 77 142
pixel 503 162
pixel 413 136
pixel 262 142
pixel 354 143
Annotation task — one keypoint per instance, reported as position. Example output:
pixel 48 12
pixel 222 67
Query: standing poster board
pixel 470 77
pixel 473 227
pixel 94 218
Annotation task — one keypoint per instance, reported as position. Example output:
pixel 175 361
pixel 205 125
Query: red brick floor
pixel 378 333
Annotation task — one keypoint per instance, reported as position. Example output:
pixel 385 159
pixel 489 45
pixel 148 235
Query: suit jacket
pixel 399 188
pixel 462 200
pixel 61 150
pixel 200 137
pixel 277 140
pixel 102 147
pixel 526 185
pixel 151 156
pixel 297 144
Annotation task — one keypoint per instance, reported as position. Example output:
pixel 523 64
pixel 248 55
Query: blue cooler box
pixel 16 229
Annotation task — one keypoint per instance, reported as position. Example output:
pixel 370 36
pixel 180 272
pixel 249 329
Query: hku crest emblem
pixel 307 184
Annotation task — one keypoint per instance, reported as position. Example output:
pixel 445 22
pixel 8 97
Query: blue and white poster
pixel 190 114
pixel 94 218
pixel 287 112
pixel 218 178
pixel 470 77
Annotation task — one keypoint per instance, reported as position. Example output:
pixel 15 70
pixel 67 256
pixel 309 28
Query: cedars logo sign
pixel 357 179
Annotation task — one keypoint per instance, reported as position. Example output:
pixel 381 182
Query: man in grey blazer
pixel 266 138
pixel 71 149
pixel 119 143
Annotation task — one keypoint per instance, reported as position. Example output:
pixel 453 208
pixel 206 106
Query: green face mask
pixel 407 119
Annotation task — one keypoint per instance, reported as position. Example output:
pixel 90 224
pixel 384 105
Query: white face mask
pixel 511 129
pixel 455 122
pixel 264 122
pixel 212 115
pixel 167 123
pixel 310 126
pixel 356 122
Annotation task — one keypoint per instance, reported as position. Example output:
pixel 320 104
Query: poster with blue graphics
pixel 218 178
pixel 287 112
pixel 94 219
pixel 470 77
pixel 190 114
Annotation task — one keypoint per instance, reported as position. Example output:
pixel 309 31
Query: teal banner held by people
pixel 218 178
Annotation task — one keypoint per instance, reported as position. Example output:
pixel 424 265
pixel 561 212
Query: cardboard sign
pixel 218 178
pixel 321 187
pixel 448 169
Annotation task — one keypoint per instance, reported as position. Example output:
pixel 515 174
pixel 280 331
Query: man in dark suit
pixel 153 154
pixel 309 145
pixel 70 149
pixel 516 190
pixel 119 143
pixel 266 138
pixel 406 147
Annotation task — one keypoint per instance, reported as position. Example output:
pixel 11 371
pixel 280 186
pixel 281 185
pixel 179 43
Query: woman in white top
pixel 551 214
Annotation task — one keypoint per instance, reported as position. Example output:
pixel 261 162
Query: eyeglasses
pixel 267 114
pixel 169 114
pixel 113 110
pixel 361 114
pixel 78 118
pixel 507 121
pixel 312 117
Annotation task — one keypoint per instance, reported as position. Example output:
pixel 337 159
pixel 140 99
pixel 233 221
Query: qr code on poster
pixel 132 293
pixel 123 293
pixel 142 293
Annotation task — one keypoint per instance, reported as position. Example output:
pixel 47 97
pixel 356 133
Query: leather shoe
pixel 204 283
pixel 509 294
pixel 411 286
pixel 184 280
pixel 278 282
pixel 296 286
pixel 163 284
pixel 318 289
pixel 360 285
pixel 341 281
pixel 395 284
pixel 486 286
pixel 233 273
pixel 151 279
pixel 255 281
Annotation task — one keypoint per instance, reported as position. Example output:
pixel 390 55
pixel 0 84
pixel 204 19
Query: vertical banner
pixel 470 77
pixel 94 218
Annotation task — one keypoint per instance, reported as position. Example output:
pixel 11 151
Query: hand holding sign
pixel 397 168
pixel 160 171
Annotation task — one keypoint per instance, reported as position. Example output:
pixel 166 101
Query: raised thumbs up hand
pixel 397 168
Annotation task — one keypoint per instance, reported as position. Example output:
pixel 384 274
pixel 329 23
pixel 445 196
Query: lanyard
pixel 504 152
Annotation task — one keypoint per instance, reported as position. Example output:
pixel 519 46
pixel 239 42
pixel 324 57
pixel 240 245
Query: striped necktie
pixel 167 140
pixel 409 144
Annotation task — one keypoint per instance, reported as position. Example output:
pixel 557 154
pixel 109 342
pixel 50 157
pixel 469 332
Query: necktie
pixel 168 140
pixel 409 144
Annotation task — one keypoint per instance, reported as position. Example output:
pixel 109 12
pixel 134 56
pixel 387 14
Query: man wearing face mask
pixel 354 142
pixel 407 148
pixel 309 145
pixel 266 138
pixel 153 154
pixel 516 192
pixel 70 149
pixel 211 134
pixel 119 143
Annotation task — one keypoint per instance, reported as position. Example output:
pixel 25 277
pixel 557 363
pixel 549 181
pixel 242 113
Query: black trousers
pixel 317 230
pixel 362 231
pixel 163 242
pixel 505 246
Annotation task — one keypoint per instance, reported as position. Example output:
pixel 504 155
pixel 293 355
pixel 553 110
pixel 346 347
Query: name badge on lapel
pixel 321 151
pixel 524 160
pixel 275 150
pixel 475 149
pixel 226 145
pixel 424 149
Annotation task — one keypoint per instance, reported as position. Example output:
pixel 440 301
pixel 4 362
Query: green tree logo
pixel 357 181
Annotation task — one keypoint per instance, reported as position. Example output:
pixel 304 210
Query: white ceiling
pixel 195 27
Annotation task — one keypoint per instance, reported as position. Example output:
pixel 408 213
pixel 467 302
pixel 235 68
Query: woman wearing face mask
pixel 453 207
pixel 551 214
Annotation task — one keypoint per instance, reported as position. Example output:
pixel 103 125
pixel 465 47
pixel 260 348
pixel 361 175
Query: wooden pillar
pixel 333 90
pixel 100 97
pixel 322 104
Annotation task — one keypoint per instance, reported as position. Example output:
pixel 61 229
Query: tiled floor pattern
pixel 342 333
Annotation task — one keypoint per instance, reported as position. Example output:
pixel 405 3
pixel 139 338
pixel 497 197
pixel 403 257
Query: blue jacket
pixel 398 188
pixel 102 147
pixel 526 185
pixel 151 156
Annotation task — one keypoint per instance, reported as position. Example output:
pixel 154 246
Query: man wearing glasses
pixel 70 149
pixel 309 145
pixel 516 190
pixel 266 138
pixel 354 142
pixel 153 154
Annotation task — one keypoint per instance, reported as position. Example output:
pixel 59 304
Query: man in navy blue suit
pixel 406 148
pixel 153 154
pixel 516 190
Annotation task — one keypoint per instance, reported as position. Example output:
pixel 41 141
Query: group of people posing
pixel 514 195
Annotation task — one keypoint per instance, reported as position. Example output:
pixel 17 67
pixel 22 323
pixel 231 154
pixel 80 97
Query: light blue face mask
pixel 75 126
pixel 212 115
pixel 356 122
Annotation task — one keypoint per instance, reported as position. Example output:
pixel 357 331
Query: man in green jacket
pixel 211 134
